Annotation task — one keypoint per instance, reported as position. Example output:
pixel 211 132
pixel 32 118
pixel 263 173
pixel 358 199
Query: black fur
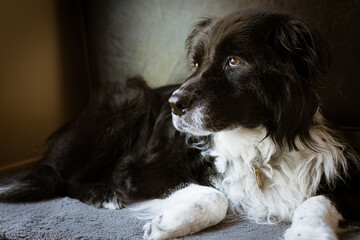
pixel 286 60
pixel 124 146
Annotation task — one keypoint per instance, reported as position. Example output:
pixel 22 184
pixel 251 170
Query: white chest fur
pixel 288 177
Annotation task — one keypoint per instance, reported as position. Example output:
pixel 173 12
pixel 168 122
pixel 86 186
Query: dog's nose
pixel 180 101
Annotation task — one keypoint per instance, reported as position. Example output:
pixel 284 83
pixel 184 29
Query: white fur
pixel 5 188
pixel 186 211
pixel 290 180
pixel 191 122
pixel 112 204
pixel 316 218
pixel 288 177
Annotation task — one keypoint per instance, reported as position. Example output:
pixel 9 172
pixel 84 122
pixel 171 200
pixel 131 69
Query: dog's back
pixel 99 157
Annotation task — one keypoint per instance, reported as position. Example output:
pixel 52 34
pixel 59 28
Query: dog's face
pixel 251 69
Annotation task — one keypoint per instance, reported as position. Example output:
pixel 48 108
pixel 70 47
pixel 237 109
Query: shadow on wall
pixel 41 70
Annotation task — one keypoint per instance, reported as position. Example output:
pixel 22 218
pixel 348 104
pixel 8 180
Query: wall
pixel 36 95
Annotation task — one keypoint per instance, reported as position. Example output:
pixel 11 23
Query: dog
pixel 244 135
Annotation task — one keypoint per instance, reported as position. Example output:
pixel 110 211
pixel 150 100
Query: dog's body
pixel 245 135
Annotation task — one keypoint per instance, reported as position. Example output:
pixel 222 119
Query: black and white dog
pixel 244 135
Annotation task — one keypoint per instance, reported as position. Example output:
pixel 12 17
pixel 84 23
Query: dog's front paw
pixel 206 208
pixel 304 232
pixel 155 230
pixel 167 226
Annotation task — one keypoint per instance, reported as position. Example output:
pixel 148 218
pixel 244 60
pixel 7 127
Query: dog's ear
pixel 294 107
pixel 303 59
pixel 301 46
pixel 195 33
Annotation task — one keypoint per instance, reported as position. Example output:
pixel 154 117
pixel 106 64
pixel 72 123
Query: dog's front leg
pixel 316 218
pixel 185 212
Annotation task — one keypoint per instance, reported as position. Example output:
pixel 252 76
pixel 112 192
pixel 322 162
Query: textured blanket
pixel 65 218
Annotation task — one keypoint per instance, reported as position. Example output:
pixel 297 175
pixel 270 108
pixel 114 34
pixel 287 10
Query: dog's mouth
pixel 188 115
pixel 191 121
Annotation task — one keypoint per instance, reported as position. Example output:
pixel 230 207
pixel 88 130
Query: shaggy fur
pixel 244 134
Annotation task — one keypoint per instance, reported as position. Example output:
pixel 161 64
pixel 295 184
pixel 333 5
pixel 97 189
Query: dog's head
pixel 252 69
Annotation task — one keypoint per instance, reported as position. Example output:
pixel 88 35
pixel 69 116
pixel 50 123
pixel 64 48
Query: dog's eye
pixel 196 66
pixel 234 62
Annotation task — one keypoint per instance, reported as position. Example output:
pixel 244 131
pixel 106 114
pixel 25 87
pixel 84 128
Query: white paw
pixel 112 204
pixel 185 212
pixel 303 232
pixel 157 230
